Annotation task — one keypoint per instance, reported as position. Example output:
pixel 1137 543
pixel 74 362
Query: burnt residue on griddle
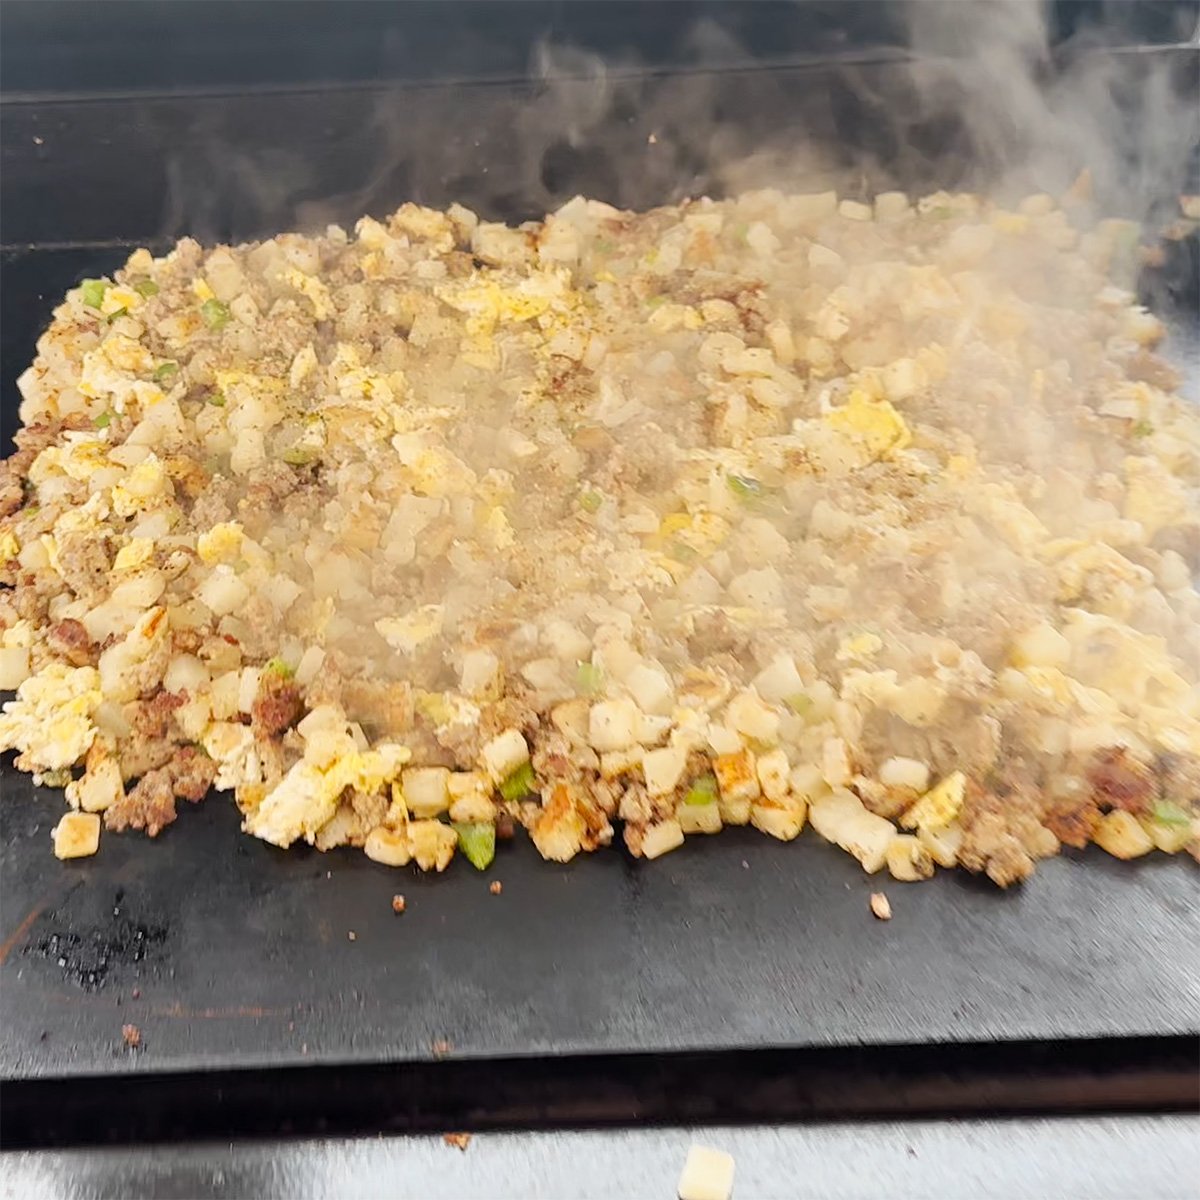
pixel 90 955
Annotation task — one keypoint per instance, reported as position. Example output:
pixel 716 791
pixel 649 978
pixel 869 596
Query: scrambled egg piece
pixel 875 422
pixel 50 720
pixel 314 291
pixel 221 544
pixel 408 633
pixel 307 796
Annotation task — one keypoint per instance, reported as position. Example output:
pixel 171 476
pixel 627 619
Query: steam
pixel 986 103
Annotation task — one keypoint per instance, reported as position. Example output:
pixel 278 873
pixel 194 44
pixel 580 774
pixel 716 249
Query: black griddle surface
pixel 241 955
pixel 229 954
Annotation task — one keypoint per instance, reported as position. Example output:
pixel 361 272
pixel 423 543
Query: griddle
pixel 737 978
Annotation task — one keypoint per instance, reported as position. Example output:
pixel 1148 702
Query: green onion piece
pixel 744 488
pixel 103 421
pixel 165 372
pixel 590 501
pixel 800 704
pixel 216 399
pixel 1142 429
pixel 682 552
pixel 703 791
pixel 520 783
pixel 942 213
pixel 300 456
pixel 146 287
pixel 215 314
pixel 478 843
pixel 1165 812
pixel 93 292
pixel 114 316
pixel 57 779
pixel 278 667
pixel 589 678
pixel 740 230
pixel 603 245
pixel 656 301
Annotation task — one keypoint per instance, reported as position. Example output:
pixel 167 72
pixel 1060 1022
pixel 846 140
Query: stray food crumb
pixel 352 935
pixel 496 887
pixel 136 993
pixel 745 865
pixel 460 1141
pixel 397 904
pixel 441 1048
pixel 707 1175
pixel 37 141
pixel 132 1036
pixel 880 906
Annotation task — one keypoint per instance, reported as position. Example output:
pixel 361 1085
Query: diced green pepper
pixel 1142 429
pixel 590 501
pixel 57 779
pixel 116 316
pixel 799 704
pixel 656 301
pixel 216 399
pixel 215 314
pixel 942 213
pixel 744 488
pixel 1165 812
pixel 740 231
pixel 589 678
pixel 278 667
pixel 165 372
pixel 93 292
pixel 520 783
pixel 703 791
pixel 146 287
pixel 478 842
pixel 103 421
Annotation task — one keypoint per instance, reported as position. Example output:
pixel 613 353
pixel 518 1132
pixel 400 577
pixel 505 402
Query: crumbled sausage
pixel 277 705
pixel 149 805
pixel 69 639
pixel 1119 781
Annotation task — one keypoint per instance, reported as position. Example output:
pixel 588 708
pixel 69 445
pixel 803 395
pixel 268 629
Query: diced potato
pixel 1040 646
pixel 779 681
pixel 943 844
pixel 1121 834
pixel 14 666
pixel 752 718
pixel 76 835
pixel 737 778
pixel 904 773
pixel 480 674
pixel 662 838
pixel 663 769
pixel 559 829
pixel 432 844
pixel 651 689
pixel 426 791
pixel 504 754
pixel 841 818
pixel 835 763
pixel 783 822
pixel 620 762
pixel 773 774
pixel 389 847
pixel 99 788
pixel 707 1175
pixel 571 719
pixel 908 859
pixel 699 818
pixel 613 725
pixel 736 810
pixel 939 806
pixel 723 740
